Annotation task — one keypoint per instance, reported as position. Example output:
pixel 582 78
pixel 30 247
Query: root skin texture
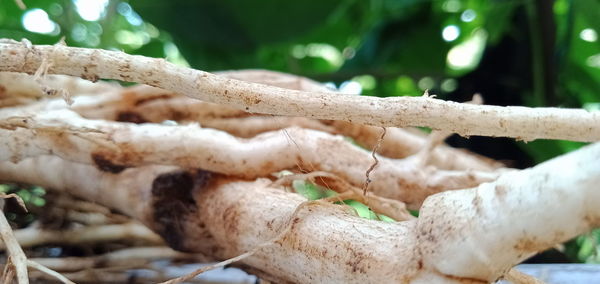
pixel 142 104
pixel 465 119
pixel 449 243
pixel 113 147
pixel 502 223
pixel 150 154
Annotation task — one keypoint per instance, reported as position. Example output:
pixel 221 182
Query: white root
pixel 277 79
pixel 49 271
pixel 519 208
pixel 464 119
pixel 18 88
pixel 230 218
pixel 449 243
pixel 145 104
pixel 138 255
pixel 17 256
pixel 248 127
pixel 148 104
pixel 401 143
pixel 114 146
pixel 222 217
pixel 110 276
pixel 32 236
pixel 517 277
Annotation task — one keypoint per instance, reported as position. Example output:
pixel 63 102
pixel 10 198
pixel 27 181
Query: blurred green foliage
pixel 585 248
pixel 518 52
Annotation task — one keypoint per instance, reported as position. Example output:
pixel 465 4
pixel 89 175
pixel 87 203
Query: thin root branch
pixel 15 251
pixel 518 277
pixel 389 207
pixel 49 271
pixel 436 138
pixel 375 163
pixel 8 273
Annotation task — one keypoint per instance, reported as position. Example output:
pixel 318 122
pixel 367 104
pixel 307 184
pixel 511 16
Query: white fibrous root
pixel 18 88
pixel 464 119
pixel 216 177
pixel 113 146
pixel 143 104
pixel 131 257
pixel 132 231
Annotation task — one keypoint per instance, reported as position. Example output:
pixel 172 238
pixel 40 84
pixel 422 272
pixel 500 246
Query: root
pixel 40 75
pixel 518 277
pixel 375 163
pixel 18 88
pixel 228 217
pixel 401 143
pixel 17 256
pixel 467 120
pixel 137 255
pixel 146 104
pixel 33 236
pixel 286 229
pixel 197 202
pixel 256 125
pixel 425 155
pixel 112 147
pixel 49 271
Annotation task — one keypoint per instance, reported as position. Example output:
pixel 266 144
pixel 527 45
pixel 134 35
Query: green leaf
pixel 309 190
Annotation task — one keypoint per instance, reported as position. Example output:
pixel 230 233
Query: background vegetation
pixel 517 52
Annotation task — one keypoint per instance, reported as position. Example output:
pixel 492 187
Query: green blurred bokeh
pixel 528 52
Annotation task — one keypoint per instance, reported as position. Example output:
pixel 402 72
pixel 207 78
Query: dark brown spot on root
pixel 125 77
pixel 130 116
pixel 124 67
pixel 173 202
pixel 90 77
pixel 106 165
pixel 357 262
pixel 3 92
pixel 592 221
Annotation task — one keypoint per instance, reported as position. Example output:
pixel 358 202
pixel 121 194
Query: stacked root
pixel 207 179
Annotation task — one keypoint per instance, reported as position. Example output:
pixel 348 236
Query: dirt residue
pixel 130 116
pixel 106 165
pixel 173 202
pixel 500 191
pixel 533 244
